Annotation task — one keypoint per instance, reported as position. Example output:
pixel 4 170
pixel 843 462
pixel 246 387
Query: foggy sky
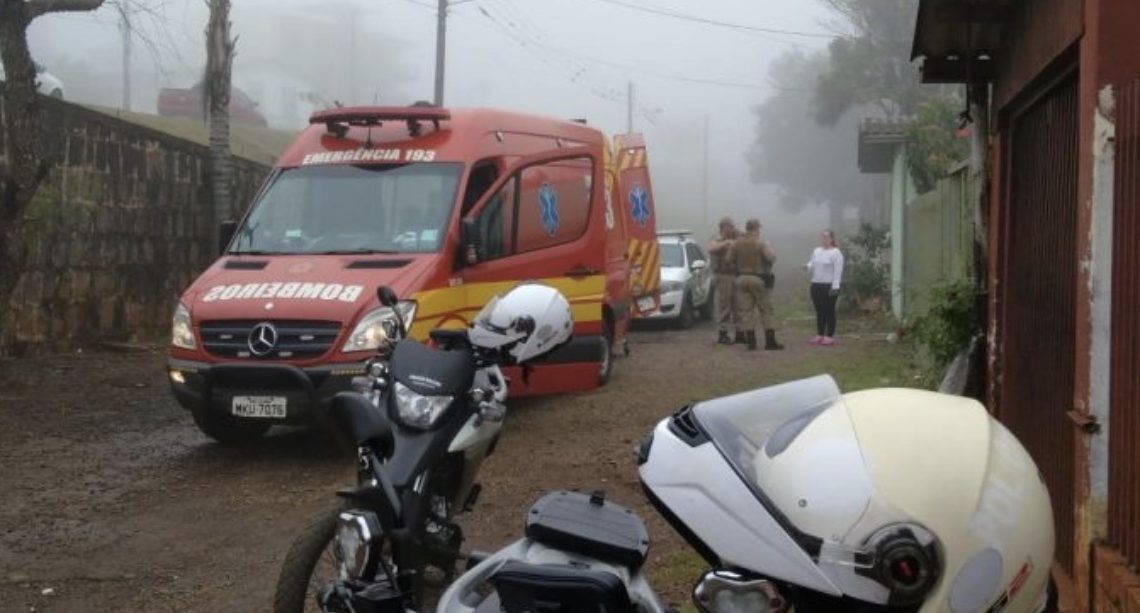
pixel 564 58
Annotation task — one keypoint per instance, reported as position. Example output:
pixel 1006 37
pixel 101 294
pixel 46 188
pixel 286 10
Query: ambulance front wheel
pixel 607 352
pixel 227 429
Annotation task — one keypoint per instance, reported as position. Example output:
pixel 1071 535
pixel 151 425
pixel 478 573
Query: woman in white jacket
pixel 826 266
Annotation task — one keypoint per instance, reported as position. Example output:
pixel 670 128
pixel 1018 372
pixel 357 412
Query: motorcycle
pixel 798 498
pixel 423 420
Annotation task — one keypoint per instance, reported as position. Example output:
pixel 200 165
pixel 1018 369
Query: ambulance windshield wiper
pixel 360 251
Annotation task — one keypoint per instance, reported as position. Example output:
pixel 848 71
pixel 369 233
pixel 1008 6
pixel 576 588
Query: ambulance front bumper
pixel 306 392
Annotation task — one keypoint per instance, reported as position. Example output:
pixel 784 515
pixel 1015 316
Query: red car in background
pixel 174 102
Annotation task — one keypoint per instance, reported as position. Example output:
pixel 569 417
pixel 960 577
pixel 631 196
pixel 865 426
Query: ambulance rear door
pixel 633 198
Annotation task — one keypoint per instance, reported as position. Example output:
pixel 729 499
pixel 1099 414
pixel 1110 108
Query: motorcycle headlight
pixel 416 410
pixel 182 332
pixel 373 329
pixel 356 533
pixel 668 287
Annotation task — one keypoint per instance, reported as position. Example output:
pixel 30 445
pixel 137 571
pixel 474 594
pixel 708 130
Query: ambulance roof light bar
pixel 338 120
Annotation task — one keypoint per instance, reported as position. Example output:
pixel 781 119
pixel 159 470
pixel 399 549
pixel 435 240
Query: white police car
pixel 686 279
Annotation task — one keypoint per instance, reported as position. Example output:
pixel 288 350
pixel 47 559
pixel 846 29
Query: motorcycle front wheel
pixel 309 566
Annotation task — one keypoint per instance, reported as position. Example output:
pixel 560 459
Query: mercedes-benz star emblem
pixel 262 339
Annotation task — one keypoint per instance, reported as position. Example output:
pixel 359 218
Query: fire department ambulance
pixel 447 207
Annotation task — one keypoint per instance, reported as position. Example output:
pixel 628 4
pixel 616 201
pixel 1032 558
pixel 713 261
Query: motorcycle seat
pixel 589 525
pixel 552 588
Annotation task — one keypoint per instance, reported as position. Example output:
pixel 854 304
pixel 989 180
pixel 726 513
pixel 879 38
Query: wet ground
pixel 111 500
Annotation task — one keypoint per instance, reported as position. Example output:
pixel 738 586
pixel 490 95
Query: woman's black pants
pixel 824 304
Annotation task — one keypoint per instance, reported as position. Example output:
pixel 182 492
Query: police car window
pixel 352 209
pixel 672 256
pixel 554 203
pixel 693 252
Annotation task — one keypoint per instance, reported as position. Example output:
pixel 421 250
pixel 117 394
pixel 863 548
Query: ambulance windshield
pixel 327 209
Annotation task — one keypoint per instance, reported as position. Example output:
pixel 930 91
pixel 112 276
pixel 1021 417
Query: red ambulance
pixel 447 207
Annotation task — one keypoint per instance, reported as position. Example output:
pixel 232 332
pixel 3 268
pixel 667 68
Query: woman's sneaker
pixel 827 341
pixel 816 341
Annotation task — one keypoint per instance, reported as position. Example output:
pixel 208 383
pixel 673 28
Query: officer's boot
pixel 741 337
pixel 751 340
pixel 723 338
pixel 770 343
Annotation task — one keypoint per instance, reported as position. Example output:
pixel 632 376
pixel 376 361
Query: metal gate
pixel 1124 416
pixel 1040 295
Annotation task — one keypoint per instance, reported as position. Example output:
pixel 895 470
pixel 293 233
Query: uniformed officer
pixel 724 283
pixel 752 256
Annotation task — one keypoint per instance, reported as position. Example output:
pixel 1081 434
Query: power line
pixel 713 22
pixel 533 40
pixel 421 5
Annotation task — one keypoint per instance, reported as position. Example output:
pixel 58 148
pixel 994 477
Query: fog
pixel 564 58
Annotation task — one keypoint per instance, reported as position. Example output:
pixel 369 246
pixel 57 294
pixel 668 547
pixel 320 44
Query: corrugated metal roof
pixel 877 141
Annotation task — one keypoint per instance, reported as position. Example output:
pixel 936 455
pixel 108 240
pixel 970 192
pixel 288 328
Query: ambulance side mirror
pixel 226 231
pixel 469 237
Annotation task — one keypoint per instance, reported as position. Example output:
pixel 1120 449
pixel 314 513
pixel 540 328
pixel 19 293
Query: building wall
pixel 902 190
pixel 1037 34
pixel 1097 39
pixel 121 227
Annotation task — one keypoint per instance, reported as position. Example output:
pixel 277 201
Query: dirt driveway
pixel 110 499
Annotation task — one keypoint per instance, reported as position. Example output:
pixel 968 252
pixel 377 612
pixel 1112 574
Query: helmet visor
pixel 795 447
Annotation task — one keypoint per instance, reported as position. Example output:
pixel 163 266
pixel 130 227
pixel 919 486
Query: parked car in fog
pixel 46 83
pixel 175 102
pixel 686 279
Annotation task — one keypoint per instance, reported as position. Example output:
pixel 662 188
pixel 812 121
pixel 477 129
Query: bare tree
pixel 26 165
pixel 219 64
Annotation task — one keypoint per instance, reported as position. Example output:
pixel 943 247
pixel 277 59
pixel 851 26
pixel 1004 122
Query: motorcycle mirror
pixel 387 296
pixel 720 591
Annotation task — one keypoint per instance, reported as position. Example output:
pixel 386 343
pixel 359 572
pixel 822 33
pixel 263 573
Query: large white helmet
pixel 528 321
pixel 881 498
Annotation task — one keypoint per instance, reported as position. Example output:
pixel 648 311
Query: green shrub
pixel 866 270
pixel 946 329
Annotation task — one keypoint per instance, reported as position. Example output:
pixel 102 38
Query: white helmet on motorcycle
pixel 528 321
pixel 885 499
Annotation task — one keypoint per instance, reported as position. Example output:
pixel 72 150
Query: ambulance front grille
pixel 290 340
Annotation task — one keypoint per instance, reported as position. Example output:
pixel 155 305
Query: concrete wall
pixel 939 240
pixel 121 227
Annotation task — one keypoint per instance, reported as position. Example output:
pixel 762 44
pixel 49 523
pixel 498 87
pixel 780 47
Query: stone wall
pixel 120 229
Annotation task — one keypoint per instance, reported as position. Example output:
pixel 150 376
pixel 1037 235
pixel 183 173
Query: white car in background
pixel 686 279
pixel 46 83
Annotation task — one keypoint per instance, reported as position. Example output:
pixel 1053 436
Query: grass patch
pixel 263 145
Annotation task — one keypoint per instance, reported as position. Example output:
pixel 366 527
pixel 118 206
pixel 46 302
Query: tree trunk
pixel 219 64
pixel 24 167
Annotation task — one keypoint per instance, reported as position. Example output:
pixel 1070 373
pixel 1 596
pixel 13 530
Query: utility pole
pixel 353 20
pixel 629 110
pixel 125 32
pixel 705 179
pixel 440 50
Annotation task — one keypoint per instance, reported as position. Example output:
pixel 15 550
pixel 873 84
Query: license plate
pixel 259 406
pixel 645 303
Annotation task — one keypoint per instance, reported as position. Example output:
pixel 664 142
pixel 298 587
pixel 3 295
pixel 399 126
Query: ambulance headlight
pixel 668 287
pixel 182 332
pixel 378 326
